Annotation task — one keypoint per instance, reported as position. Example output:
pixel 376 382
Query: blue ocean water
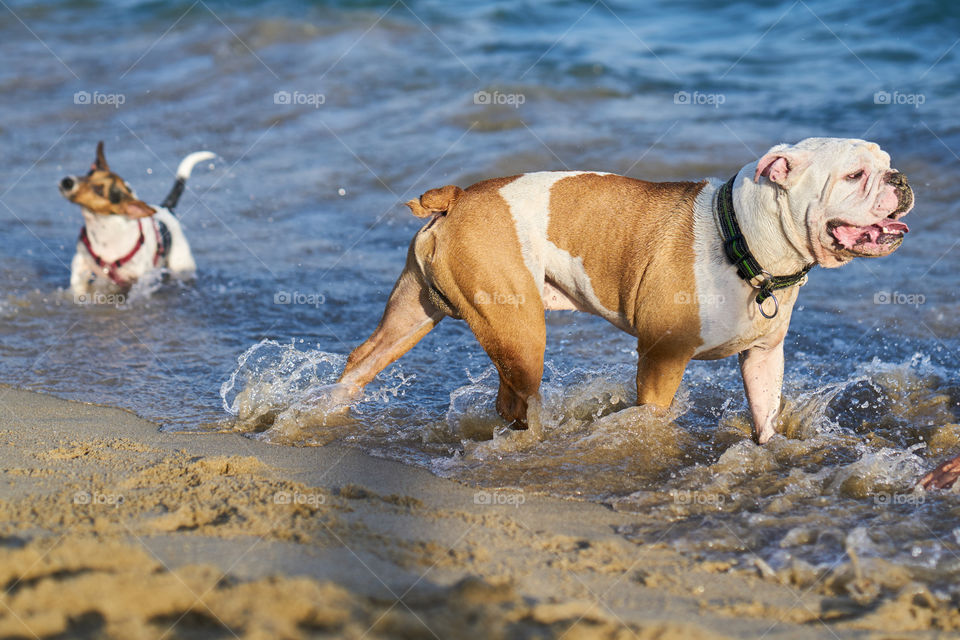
pixel 327 115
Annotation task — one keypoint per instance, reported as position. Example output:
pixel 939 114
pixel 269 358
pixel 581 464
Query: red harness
pixel 110 269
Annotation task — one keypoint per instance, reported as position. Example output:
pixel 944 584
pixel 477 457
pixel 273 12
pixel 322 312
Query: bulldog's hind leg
pixel 408 316
pixel 515 344
pixel 488 285
pixel 512 330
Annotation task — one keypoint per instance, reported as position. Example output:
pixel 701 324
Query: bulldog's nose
pixel 67 184
pixel 897 179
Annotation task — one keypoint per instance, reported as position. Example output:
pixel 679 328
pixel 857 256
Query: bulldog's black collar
pixel 735 246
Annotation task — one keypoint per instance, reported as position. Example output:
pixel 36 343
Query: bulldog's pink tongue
pixel 850 236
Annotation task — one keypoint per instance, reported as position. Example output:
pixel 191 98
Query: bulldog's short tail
pixel 435 202
pixel 183 172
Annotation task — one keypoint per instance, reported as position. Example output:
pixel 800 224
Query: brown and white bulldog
pixel 649 257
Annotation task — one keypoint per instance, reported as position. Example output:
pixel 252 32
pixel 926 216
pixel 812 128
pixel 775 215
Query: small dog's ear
pixel 137 209
pixel 101 161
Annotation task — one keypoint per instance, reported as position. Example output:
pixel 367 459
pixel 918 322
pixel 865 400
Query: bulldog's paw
pixel 763 435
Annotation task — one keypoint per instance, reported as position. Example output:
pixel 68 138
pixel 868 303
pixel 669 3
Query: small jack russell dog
pixel 123 238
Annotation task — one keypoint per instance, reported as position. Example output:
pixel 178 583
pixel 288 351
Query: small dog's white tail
pixel 188 163
pixel 183 172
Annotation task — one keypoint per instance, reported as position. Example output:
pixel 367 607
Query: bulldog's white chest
pixel 730 320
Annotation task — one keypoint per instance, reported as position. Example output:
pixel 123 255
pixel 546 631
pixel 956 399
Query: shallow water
pixel 304 205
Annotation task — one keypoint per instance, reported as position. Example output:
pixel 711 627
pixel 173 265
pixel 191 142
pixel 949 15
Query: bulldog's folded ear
pixel 782 165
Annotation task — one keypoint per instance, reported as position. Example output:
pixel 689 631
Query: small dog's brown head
pixel 103 192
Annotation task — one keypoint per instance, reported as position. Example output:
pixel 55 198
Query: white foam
pixel 293 390
pixel 271 376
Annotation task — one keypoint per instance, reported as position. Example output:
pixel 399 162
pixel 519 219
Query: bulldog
pixel 695 270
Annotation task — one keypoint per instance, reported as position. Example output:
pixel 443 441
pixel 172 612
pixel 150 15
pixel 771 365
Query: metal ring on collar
pixel 766 279
pixel 776 307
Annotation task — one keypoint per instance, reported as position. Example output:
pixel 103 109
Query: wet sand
pixel 110 528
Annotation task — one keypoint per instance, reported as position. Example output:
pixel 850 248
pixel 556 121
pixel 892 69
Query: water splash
pixel 270 376
pixel 843 461
pixel 285 393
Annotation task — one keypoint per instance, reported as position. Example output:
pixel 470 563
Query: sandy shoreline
pixel 109 528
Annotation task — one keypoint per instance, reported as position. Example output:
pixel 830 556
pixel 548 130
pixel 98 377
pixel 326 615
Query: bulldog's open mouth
pixel 873 240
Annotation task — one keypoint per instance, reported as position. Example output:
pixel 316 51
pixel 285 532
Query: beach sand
pixel 110 528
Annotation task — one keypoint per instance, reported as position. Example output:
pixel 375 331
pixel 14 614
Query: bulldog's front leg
pixel 762 370
pixel 659 374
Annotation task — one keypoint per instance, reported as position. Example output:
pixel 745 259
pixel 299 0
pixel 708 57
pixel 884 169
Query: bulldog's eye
pixel 98 189
pixel 115 195
pixel 856 175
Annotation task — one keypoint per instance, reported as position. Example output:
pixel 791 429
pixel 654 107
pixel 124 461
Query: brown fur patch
pixel 636 242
